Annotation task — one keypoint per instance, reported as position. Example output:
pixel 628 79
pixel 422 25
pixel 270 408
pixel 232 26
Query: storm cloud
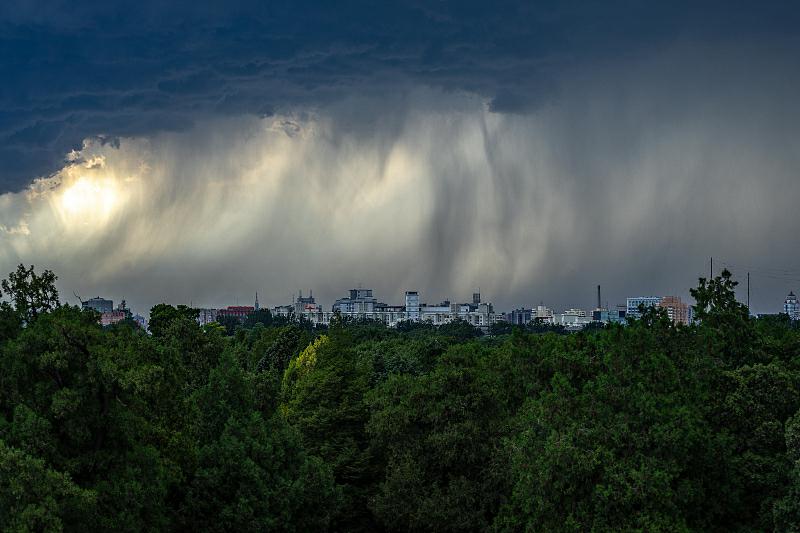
pixel 628 172
pixel 73 70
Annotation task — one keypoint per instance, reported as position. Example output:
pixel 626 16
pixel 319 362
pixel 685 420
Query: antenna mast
pixel 748 292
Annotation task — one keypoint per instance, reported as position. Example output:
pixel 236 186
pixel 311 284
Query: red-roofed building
pixel 238 311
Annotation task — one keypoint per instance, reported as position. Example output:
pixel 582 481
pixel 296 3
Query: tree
pixel 716 300
pixel 648 426
pixel 252 472
pixel 262 316
pixel 229 323
pixel 280 352
pixel 501 328
pixel 459 330
pixel 538 325
pixel 86 402
pixel 757 403
pixel 787 509
pixel 725 323
pixel 438 434
pixel 31 294
pixel 34 497
pixel 10 322
pixel 617 439
pixel 162 315
pixel 323 397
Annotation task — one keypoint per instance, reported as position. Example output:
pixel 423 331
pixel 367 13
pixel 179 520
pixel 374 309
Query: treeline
pixel 276 426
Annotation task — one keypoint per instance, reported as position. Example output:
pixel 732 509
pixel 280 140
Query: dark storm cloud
pixel 77 69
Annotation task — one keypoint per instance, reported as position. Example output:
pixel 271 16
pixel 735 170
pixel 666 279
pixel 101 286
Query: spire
pixel 256 304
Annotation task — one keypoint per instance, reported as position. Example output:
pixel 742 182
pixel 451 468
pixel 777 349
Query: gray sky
pixel 532 151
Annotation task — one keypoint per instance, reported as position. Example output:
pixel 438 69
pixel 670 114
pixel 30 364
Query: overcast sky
pixel 204 151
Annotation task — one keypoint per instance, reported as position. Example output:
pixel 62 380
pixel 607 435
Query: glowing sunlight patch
pixel 89 200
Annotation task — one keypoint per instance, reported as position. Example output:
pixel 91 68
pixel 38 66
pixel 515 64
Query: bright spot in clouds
pixel 88 198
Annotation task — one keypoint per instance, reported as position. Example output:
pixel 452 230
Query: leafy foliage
pixel 273 425
pixel 31 294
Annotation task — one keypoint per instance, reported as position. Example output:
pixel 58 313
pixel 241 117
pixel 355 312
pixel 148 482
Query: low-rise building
pixel 572 319
pixel 239 312
pixel 117 315
pixel 140 320
pixel 360 301
pixel 101 305
pixel 112 317
pixel 610 316
pixel 206 316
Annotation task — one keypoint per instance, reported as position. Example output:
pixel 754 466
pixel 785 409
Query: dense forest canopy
pixel 272 425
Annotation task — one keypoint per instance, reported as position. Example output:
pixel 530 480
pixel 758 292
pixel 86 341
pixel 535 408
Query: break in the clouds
pixel 630 175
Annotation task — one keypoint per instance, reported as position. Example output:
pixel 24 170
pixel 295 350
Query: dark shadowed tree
pixel 30 294
pixel 162 315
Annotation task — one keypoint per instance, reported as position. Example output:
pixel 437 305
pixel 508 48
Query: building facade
pixel 101 305
pixel 677 311
pixel 791 307
pixel 206 316
pixel 610 316
pixel 632 305
pixel 112 317
pixel 239 312
pixel 572 319
pixel 360 301
pixel 412 305
pixel 521 316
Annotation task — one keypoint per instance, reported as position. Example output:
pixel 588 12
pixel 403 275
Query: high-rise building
pixel 521 316
pixel 412 305
pixel 677 311
pixel 791 307
pixel 645 301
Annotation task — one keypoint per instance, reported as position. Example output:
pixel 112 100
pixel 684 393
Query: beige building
pixel 677 311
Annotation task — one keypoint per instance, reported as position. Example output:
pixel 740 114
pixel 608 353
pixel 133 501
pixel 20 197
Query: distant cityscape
pixel 362 304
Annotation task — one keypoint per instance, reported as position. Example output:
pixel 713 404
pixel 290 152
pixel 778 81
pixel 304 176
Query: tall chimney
pixel 599 306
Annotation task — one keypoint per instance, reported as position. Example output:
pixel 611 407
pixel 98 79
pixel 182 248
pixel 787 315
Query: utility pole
pixel 711 271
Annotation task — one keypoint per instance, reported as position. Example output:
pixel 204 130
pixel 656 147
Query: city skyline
pixel 326 304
